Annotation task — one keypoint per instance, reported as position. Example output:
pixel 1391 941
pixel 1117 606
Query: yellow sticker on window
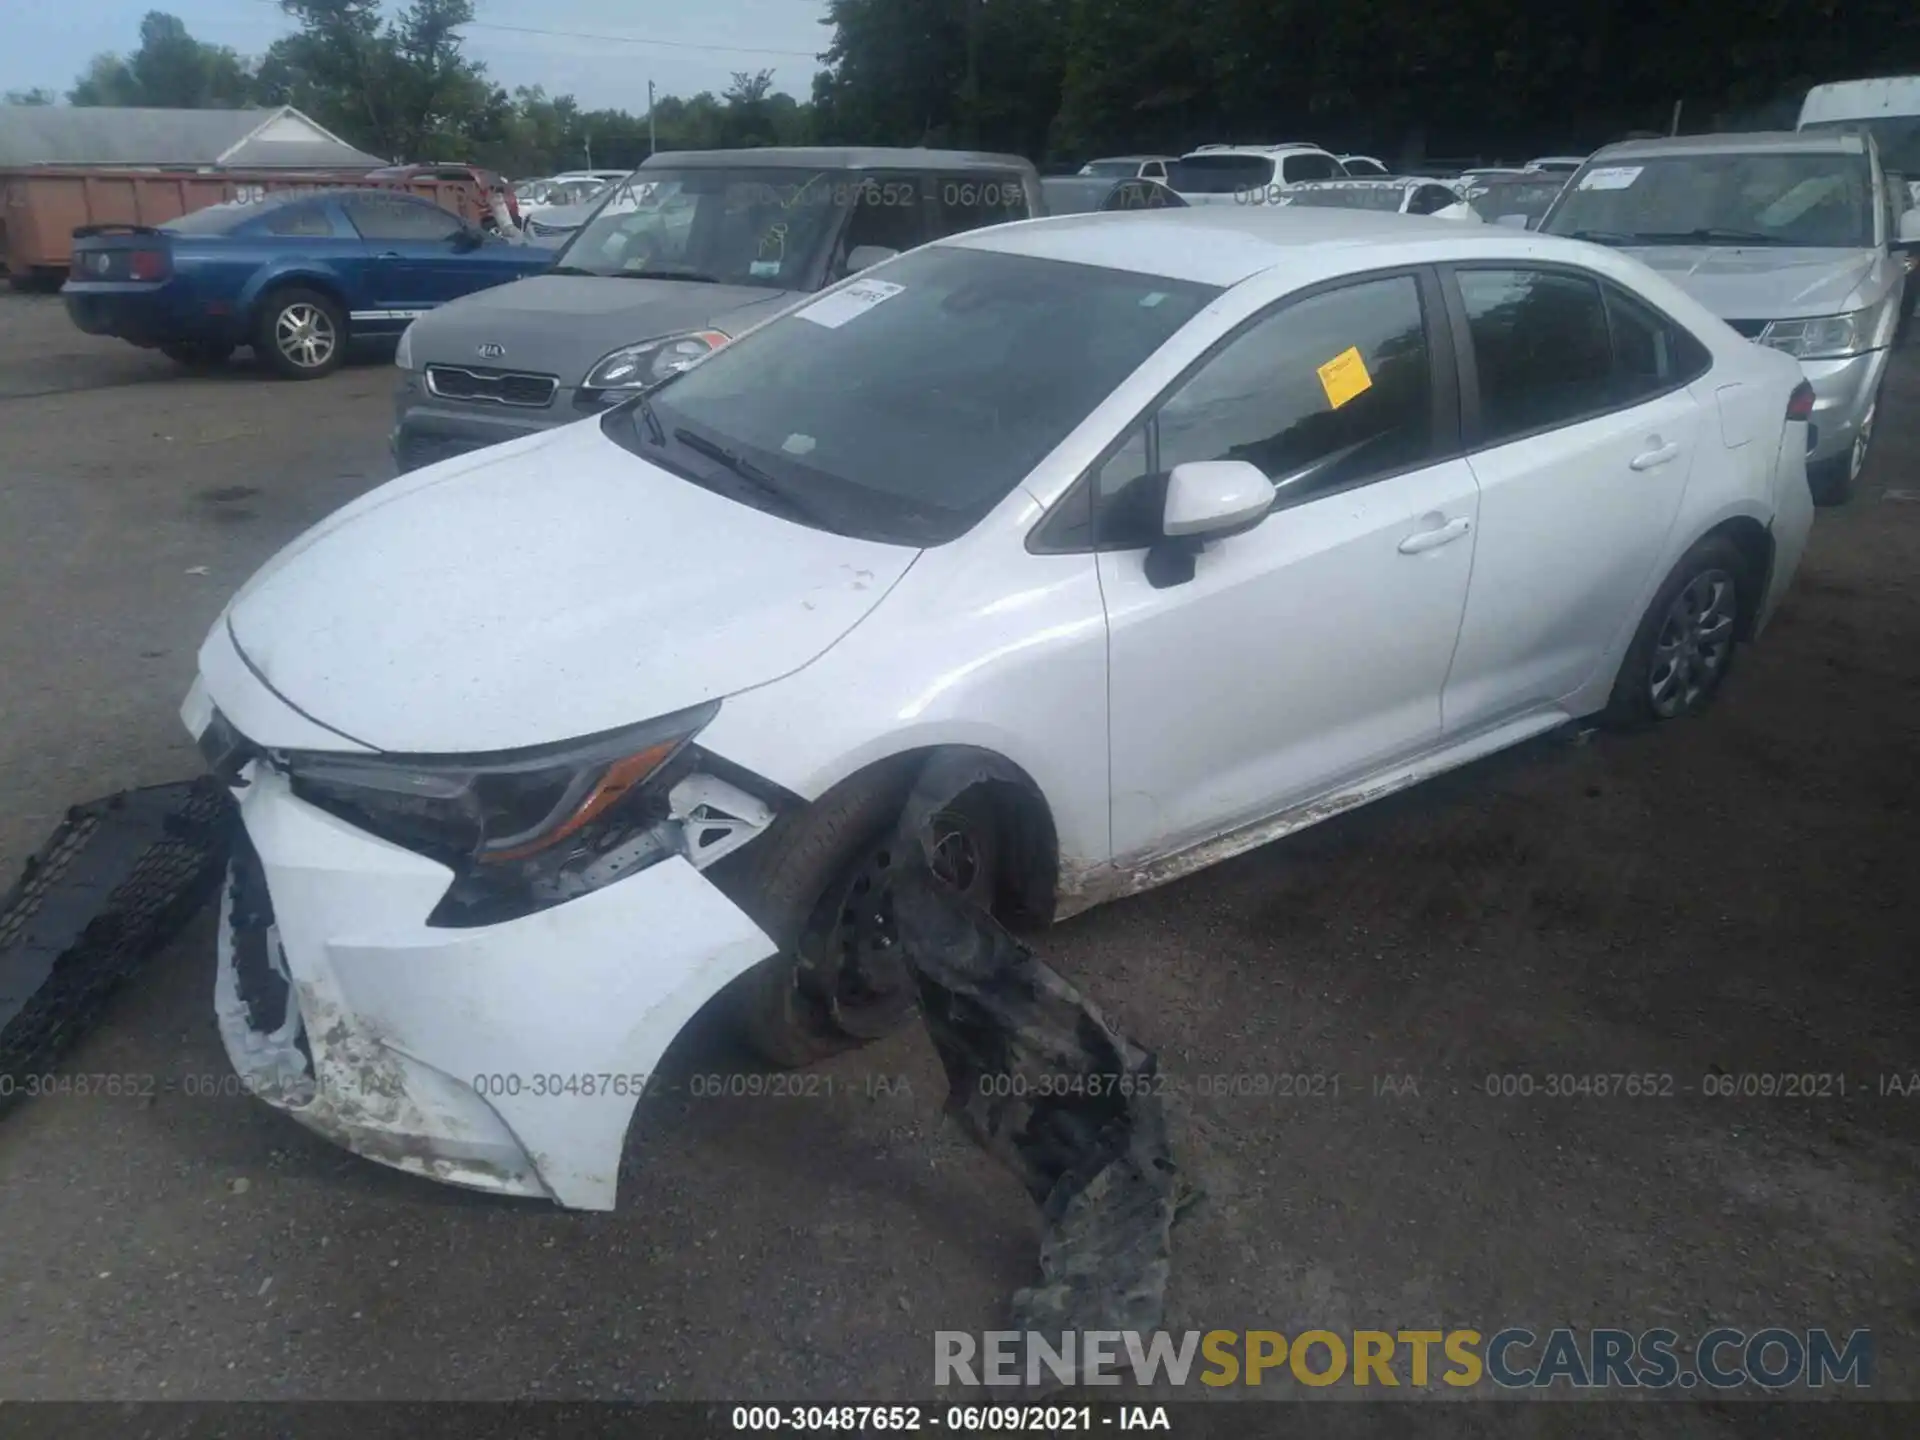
pixel 1345 377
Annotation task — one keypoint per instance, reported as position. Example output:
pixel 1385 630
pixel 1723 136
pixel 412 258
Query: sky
pixel 605 63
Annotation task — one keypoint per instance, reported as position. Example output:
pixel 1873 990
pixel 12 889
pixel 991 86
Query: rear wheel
pixel 301 334
pixel 1684 647
pixel 822 889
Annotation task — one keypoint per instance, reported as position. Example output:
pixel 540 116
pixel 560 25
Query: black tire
pixel 1650 660
pixel 199 354
pixel 297 308
pixel 815 883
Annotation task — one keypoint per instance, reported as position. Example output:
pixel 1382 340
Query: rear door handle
pixel 389 255
pixel 1660 455
pixel 1432 539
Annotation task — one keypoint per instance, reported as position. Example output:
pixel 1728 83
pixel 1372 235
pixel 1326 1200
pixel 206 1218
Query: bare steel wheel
pixel 851 958
pixel 301 334
pixel 819 884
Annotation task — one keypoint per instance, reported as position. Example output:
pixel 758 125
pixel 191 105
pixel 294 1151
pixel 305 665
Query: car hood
pixel 549 588
pixel 562 324
pixel 1760 282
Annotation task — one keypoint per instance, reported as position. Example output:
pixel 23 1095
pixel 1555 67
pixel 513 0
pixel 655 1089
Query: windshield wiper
pixel 746 470
pixel 1712 235
pixel 1602 237
pixel 672 272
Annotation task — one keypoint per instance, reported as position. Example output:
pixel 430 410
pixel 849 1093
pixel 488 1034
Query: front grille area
pixel 1749 328
pixel 501 387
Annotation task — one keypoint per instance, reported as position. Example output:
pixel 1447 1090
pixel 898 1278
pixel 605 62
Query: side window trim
pixel 1444 380
pixel 1472 417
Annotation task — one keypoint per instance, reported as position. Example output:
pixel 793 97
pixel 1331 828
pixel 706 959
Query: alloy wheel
pixel 1695 641
pixel 304 334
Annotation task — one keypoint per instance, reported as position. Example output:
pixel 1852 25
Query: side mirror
pixel 865 257
pixel 1206 500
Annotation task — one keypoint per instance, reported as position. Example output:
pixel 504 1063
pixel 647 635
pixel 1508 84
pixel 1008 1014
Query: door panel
pixel 1569 533
pixel 1303 652
pixel 1574 512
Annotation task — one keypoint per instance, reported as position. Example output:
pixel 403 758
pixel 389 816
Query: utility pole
pixel 587 137
pixel 650 136
pixel 1674 128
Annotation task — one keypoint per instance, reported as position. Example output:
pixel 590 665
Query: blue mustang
pixel 296 275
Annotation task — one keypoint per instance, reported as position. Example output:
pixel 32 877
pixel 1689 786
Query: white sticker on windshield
pixel 798 444
pixel 1610 177
pixel 837 309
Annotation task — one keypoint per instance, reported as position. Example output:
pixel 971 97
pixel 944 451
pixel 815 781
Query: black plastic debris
pixel 1044 1082
pixel 116 881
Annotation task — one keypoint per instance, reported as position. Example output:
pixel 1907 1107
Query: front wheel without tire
pixel 1684 647
pixel 821 890
pixel 301 334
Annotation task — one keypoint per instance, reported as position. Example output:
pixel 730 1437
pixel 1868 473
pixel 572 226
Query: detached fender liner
pixel 1080 1118
pixel 114 883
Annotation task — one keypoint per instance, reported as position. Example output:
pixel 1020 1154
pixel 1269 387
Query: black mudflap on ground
pixel 115 882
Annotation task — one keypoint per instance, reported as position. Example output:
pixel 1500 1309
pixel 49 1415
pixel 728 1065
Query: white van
pixel 1889 109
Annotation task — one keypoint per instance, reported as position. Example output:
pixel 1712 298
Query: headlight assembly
pixel 493 809
pixel 635 367
pixel 1825 337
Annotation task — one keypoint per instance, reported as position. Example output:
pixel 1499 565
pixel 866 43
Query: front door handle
pixel 1432 539
pixel 389 255
pixel 1659 455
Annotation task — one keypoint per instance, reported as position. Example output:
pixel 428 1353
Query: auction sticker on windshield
pixel 1610 177
pixel 837 309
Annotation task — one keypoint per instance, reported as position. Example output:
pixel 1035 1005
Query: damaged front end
pixel 427 960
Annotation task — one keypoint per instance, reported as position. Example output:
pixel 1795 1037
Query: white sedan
pixel 1161 534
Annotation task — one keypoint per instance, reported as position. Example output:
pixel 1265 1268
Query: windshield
pixel 1349 197
pixel 1491 198
pixel 1221 174
pixel 905 406
pixel 1116 169
pixel 1898 137
pixel 1730 198
pixel 747 226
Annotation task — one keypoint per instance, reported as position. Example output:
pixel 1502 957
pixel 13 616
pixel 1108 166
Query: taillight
pixel 1800 403
pixel 147 265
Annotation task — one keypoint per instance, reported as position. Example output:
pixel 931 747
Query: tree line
pixel 1061 80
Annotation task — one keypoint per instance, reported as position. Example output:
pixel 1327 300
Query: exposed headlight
pixel 403 352
pixel 1826 337
pixel 634 367
pixel 495 810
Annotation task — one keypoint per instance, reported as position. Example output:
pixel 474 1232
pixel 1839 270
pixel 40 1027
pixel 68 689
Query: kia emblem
pixel 492 351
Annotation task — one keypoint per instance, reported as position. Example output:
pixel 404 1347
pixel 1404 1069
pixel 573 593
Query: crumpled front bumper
pixel 506 1057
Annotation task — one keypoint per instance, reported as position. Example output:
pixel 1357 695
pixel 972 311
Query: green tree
pixel 35 96
pixel 170 70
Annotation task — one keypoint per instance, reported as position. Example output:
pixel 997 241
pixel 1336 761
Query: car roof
pixel 1223 245
pixel 1754 142
pixel 1290 148
pixel 1109 159
pixel 837 157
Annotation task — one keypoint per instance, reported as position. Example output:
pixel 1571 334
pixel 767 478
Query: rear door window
pixel 1309 167
pixel 1546 353
pixel 398 217
pixel 308 219
pixel 1222 174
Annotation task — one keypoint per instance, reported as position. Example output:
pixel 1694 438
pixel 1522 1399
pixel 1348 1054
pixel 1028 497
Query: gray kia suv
pixel 690 250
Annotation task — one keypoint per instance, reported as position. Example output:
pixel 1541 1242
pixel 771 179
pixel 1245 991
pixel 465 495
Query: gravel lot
pixel 1736 894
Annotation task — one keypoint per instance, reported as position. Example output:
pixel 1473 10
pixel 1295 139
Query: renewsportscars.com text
pixel 1513 1358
